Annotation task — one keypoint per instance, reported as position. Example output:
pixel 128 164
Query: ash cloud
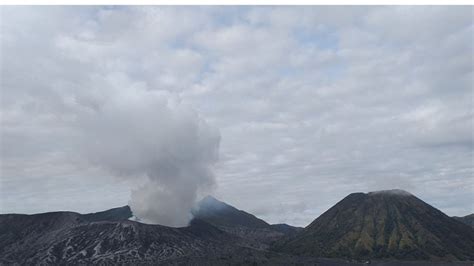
pixel 151 138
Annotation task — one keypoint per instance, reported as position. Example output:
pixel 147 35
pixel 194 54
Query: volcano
pixel 258 233
pixel 391 224
pixel 391 227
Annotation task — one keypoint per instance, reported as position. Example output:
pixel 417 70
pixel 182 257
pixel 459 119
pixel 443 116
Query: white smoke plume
pixel 148 135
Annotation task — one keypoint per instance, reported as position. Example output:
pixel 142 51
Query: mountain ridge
pixel 386 224
pixel 259 233
pixel 346 232
pixel 468 219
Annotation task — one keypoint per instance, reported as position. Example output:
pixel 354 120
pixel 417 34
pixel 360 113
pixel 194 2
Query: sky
pixel 305 104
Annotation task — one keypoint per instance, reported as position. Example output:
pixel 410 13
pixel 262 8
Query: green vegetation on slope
pixel 389 224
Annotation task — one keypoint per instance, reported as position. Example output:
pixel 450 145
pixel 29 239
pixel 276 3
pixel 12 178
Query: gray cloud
pixel 312 103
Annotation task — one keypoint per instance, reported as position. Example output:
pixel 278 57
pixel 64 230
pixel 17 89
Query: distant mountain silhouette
pixel 240 223
pixel 468 219
pixel 115 214
pixel 385 224
pixel 219 213
pixel 286 229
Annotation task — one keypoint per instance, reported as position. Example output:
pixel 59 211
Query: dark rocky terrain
pixel 70 238
pixel 383 225
pixel 468 219
pixel 286 229
pixel 360 227
pixel 257 232
pixel 115 214
pixel 109 237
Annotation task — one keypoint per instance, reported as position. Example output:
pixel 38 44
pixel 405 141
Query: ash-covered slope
pixel 103 238
pixel 390 225
pixel 65 237
pixel 386 224
pixel 109 237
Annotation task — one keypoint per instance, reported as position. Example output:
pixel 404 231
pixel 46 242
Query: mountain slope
pixel 70 238
pixel 286 229
pixel 385 224
pixel 115 214
pixel 257 232
pixel 219 213
pixel 108 237
pixel 241 223
pixel 468 219
pixel 63 238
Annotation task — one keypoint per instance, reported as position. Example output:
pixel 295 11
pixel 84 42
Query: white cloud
pixel 312 102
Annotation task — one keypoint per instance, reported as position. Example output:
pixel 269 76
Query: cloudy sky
pixel 311 103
